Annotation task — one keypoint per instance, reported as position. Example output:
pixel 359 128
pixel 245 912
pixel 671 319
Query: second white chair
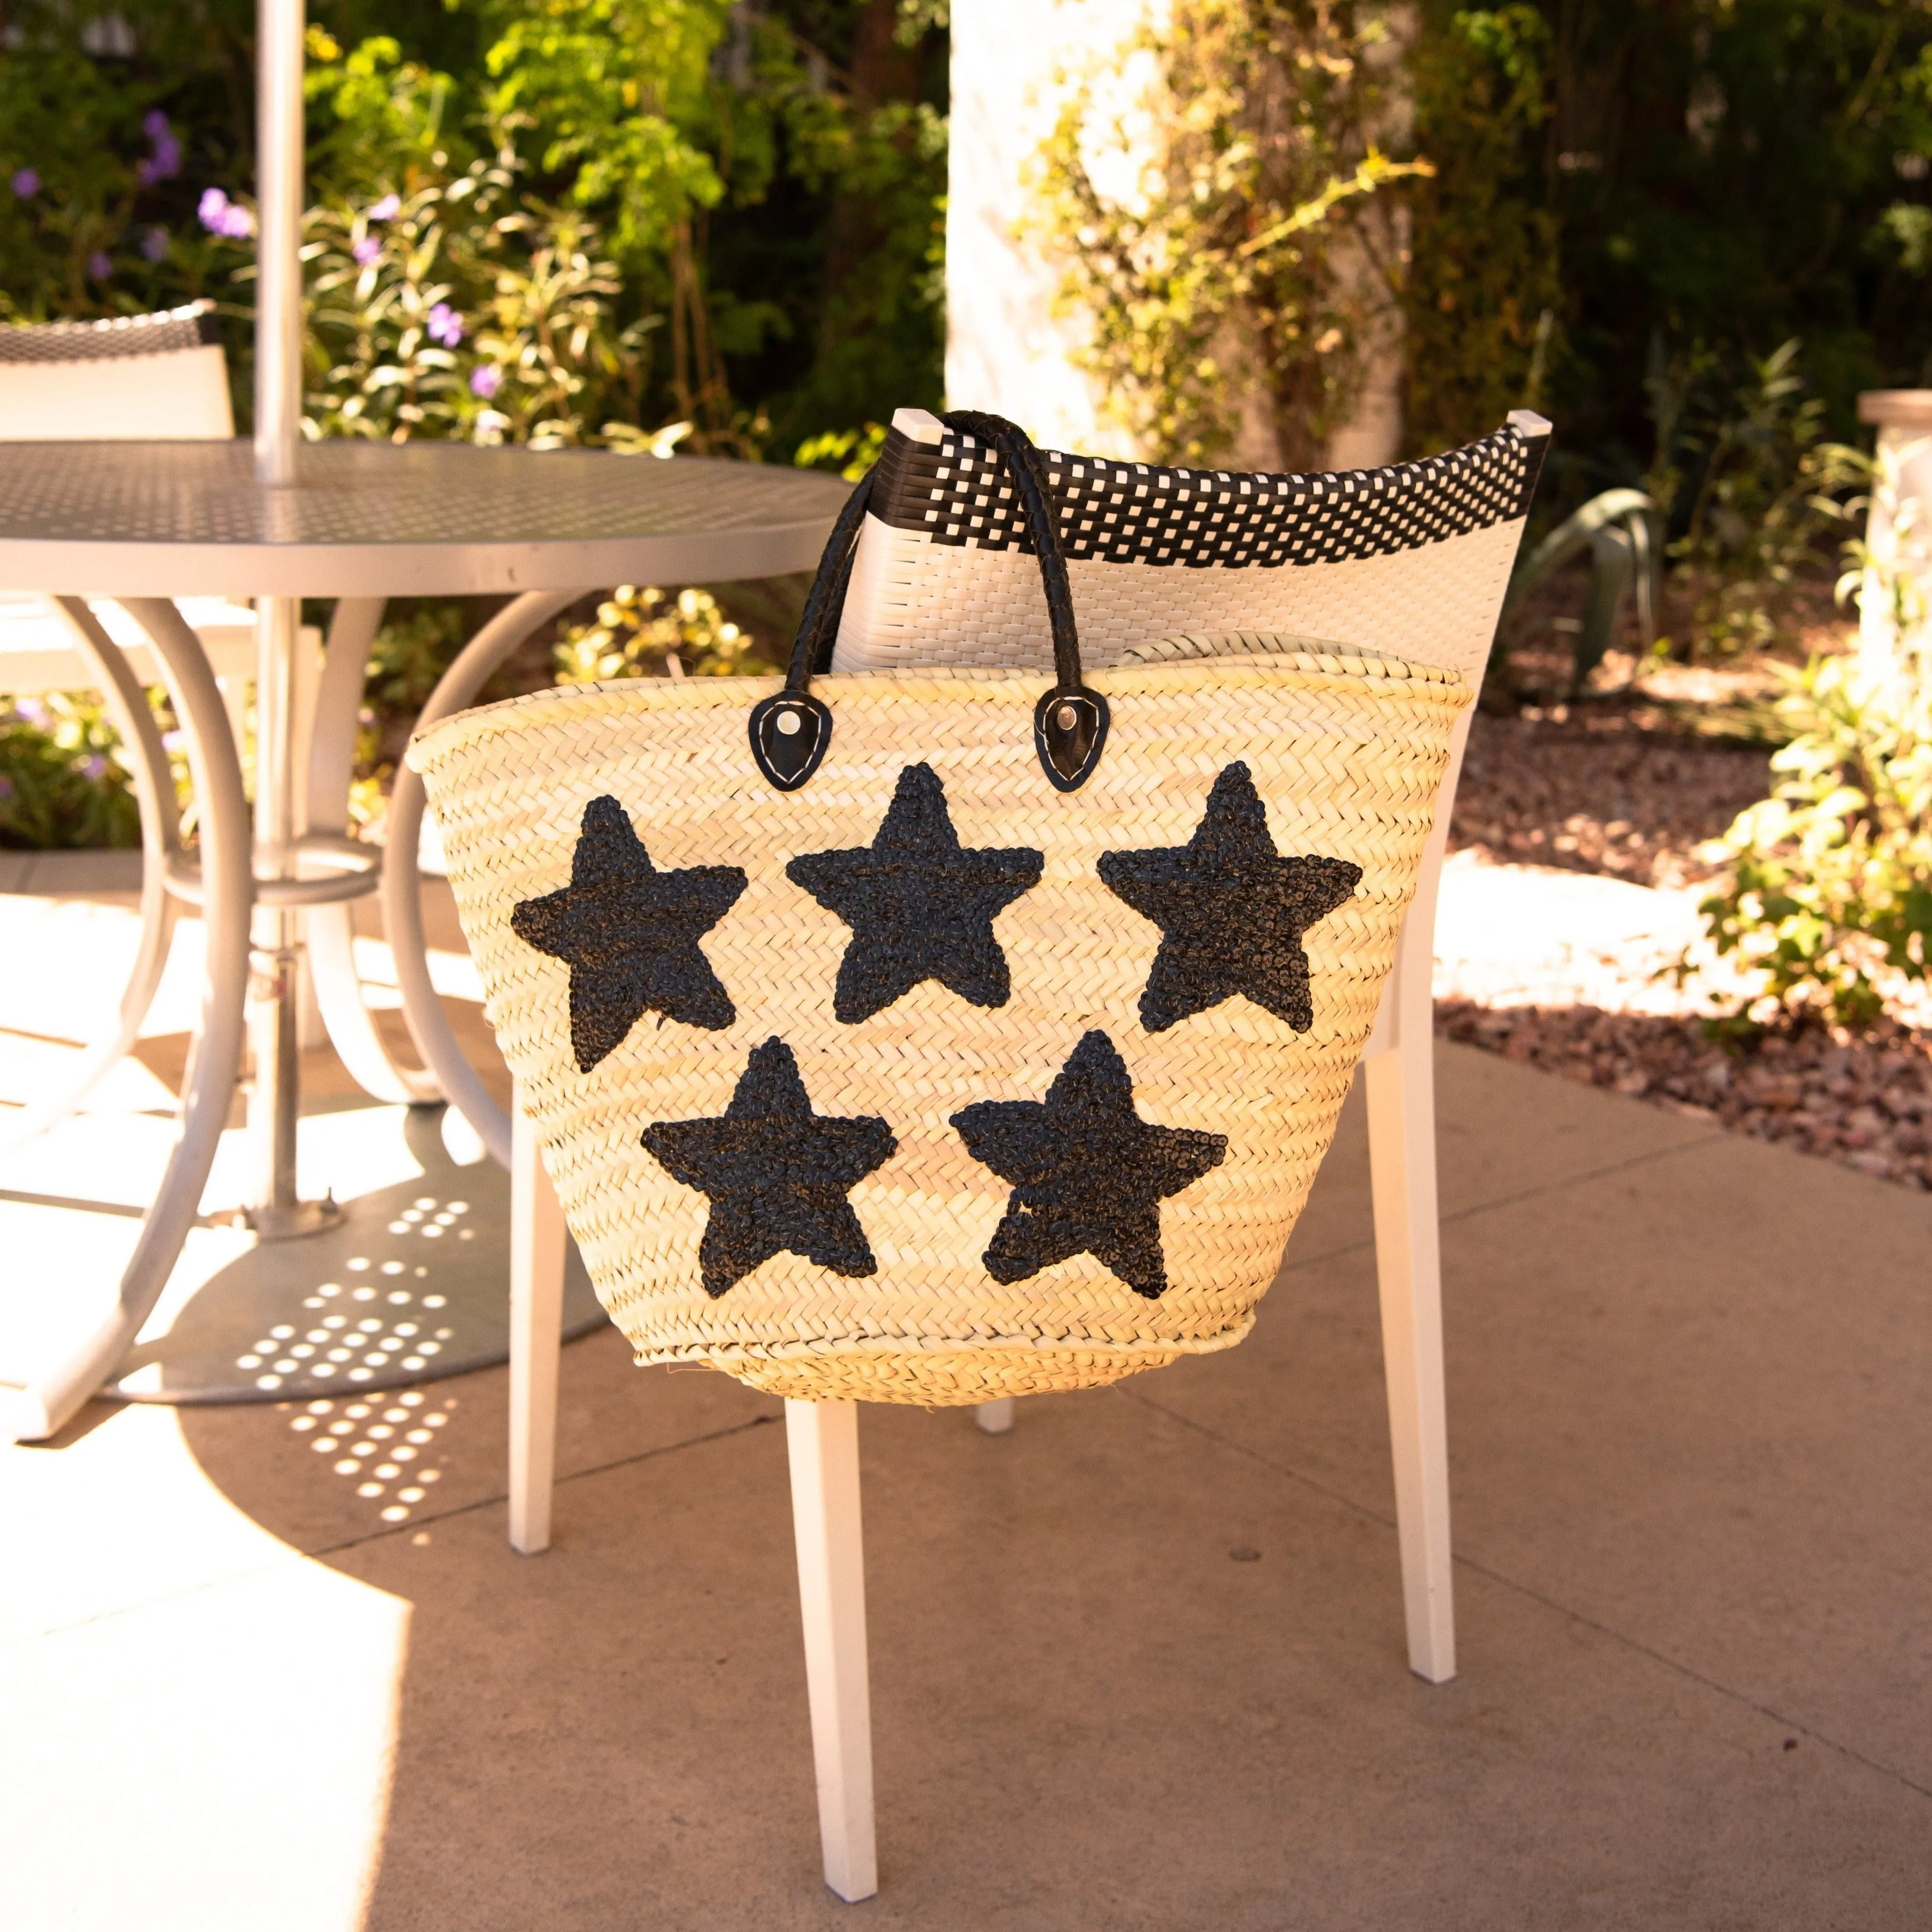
pixel 143 378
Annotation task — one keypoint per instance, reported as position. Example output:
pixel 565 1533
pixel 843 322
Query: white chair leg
pixel 160 841
pixel 537 1249
pixel 822 1439
pixel 1402 1166
pixel 995 1418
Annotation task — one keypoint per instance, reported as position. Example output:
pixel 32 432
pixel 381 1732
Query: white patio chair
pixel 1411 562
pixel 140 378
pixel 164 378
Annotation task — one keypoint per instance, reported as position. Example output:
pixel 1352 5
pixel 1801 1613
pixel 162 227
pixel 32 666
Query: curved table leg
pixel 329 931
pixel 402 895
pixel 160 838
pixel 227 862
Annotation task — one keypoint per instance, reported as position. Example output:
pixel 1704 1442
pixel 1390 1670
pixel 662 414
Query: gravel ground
pixel 1562 972
pixel 1610 789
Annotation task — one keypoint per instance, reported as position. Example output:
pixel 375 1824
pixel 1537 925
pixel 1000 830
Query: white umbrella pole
pixel 280 27
pixel 274 1101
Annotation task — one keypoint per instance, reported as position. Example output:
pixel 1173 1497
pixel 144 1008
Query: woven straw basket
pixel 946 1281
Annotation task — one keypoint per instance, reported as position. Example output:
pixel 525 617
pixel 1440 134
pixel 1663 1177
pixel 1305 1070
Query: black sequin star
pixel 630 933
pixel 918 906
pixel 777 1174
pixel 1089 1173
pixel 1230 909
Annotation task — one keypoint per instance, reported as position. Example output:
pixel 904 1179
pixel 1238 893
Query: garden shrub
pixel 1828 896
pixel 1748 487
pixel 61 781
pixel 1483 299
pixel 644 632
pixel 1216 189
pixel 1829 893
pixel 510 240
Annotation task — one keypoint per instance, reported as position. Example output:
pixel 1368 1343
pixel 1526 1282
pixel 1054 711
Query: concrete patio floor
pixel 1139 1664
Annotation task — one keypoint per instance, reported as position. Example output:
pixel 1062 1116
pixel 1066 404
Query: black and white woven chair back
pixel 149 378
pixel 1408 562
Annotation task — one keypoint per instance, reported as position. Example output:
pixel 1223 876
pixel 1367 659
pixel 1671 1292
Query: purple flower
pixel 154 244
pixel 99 266
pixel 164 164
pixel 445 325
pixel 485 380
pixel 220 216
pixel 174 741
pixel 6 789
pixel 387 209
pixel 95 766
pixel 26 184
pixel 30 710
pixel 366 250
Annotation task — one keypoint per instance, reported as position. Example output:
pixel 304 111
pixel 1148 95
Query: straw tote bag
pixel 925 1035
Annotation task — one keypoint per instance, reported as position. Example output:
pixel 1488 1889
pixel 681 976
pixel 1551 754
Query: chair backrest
pixel 1409 562
pixel 145 378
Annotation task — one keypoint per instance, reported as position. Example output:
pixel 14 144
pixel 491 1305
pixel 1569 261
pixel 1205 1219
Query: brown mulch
pixel 1602 787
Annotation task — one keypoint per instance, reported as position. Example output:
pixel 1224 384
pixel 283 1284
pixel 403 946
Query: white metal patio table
pixel 359 522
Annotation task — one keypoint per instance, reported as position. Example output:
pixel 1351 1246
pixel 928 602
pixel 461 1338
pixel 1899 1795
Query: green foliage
pixel 1830 888
pixel 600 136
pixel 1216 189
pixel 608 90
pixel 829 119
pixel 419 638
pixel 1731 175
pixel 467 314
pixel 465 304
pixel 643 633
pixel 1612 188
pixel 1744 474
pixel 1483 291
pixel 379 120
pixel 106 225
pixel 1828 896
pixel 62 784
pixel 851 452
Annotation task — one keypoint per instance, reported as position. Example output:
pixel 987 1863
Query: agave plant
pixel 1617 529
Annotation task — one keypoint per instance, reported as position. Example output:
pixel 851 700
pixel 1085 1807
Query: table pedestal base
pixel 412 1286
pixel 290 1224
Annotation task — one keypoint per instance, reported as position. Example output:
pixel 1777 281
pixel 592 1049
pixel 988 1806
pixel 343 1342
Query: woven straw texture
pixel 1346 754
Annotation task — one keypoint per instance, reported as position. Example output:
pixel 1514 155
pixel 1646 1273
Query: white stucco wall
pixel 1007 350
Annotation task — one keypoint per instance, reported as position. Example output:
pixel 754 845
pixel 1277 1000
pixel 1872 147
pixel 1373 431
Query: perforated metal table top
pixel 377 520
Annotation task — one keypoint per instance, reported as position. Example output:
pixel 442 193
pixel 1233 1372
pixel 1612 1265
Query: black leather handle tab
pixel 789 733
pixel 1069 723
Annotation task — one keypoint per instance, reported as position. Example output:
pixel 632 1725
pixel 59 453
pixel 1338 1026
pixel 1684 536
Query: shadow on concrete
pixel 1140 1664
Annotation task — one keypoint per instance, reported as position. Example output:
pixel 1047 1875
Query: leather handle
pixel 790 732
